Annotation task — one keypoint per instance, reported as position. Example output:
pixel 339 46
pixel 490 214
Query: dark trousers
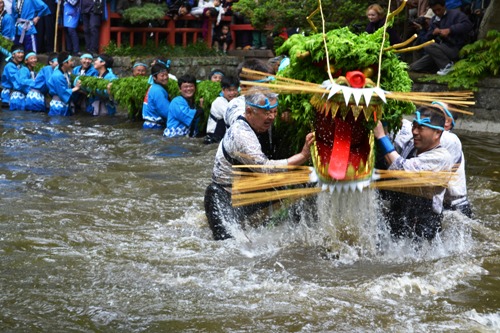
pixel 410 216
pixel 220 212
pixel 46 29
pixel 91 25
pixel 29 43
pixel 72 42
pixel 436 57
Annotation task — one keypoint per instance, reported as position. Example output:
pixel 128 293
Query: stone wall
pixel 199 67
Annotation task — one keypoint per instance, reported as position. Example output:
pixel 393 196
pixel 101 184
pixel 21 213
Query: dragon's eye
pixel 369 72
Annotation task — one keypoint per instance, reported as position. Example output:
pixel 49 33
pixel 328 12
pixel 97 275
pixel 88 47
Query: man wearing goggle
pixel 241 146
pixel 410 215
pixel 455 197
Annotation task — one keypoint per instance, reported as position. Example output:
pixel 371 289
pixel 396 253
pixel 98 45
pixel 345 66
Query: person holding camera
pixel 421 25
pixel 93 12
pixel 449 28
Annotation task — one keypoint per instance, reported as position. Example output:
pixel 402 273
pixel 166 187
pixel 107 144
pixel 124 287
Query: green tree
pixel 293 13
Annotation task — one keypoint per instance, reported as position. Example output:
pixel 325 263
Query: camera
pixel 419 20
pixel 98 7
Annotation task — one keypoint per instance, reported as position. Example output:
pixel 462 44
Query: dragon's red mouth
pixel 344 146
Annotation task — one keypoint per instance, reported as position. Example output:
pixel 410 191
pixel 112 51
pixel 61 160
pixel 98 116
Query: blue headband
pixel 17 51
pixel 137 64
pixel 86 56
pixel 54 60
pixel 213 73
pixel 445 109
pixel 160 71
pixel 67 59
pixel 31 54
pixel 426 122
pixel 266 106
pixel 167 64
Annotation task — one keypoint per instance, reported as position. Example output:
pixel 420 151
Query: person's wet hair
pixel 108 60
pixel 51 57
pixel 158 68
pixel 229 81
pixel 256 65
pixel 62 57
pixel 186 79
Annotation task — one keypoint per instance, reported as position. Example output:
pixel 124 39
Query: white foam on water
pixel 436 278
pixel 487 322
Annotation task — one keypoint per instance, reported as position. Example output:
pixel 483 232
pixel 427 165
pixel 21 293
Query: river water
pixel 102 229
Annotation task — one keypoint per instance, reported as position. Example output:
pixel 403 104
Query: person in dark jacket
pixel 92 14
pixel 449 29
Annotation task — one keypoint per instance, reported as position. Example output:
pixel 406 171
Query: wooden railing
pixel 168 34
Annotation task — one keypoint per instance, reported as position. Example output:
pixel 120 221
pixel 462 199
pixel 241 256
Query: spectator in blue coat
pixel 27 13
pixel 7 26
pixel 183 113
pixel 71 18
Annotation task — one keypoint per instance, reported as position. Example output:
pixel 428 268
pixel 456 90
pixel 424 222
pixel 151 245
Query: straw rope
pixel 251 188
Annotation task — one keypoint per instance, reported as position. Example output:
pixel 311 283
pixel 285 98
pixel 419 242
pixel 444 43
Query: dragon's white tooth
pixel 360 186
pixel 352 186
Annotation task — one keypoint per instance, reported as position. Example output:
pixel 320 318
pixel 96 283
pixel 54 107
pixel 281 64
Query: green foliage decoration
pixel 128 92
pixel 209 91
pixel 146 13
pixel 93 86
pixel 6 43
pixel 479 60
pixel 347 52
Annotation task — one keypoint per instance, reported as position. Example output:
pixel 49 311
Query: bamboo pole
pixel 57 24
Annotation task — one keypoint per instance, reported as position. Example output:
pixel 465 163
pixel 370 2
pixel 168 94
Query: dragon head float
pixel 346 66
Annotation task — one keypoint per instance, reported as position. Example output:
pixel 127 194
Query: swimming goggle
pixel 266 106
pixel 426 122
pixel 445 109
